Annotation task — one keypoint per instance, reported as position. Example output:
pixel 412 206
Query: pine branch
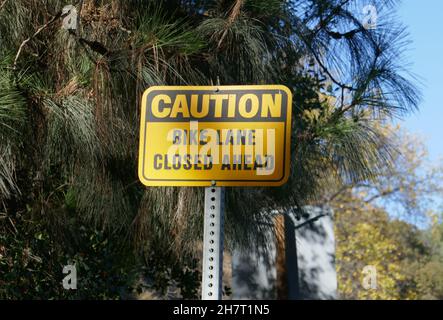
pixel 94 46
pixel 324 22
pixel 382 194
pixel 390 192
pixel 307 222
pixel 235 12
pixel 39 30
pixel 3 5
pixel 348 35
pixel 36 33
pixel 326 70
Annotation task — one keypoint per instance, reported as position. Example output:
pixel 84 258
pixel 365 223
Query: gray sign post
pixel 213 243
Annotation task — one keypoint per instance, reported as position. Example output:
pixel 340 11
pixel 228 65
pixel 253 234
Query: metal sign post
pixel 213 243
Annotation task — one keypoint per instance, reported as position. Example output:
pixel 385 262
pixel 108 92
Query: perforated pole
pixel 213 243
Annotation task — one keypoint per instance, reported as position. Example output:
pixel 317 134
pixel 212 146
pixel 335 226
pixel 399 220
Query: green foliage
pixel 247 63
pixel 71 130
pixel 32 261
pixel 12 120
pixel 369 231
pixel 406 266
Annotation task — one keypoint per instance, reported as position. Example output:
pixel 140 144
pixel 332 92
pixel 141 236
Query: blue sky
pixel 424 20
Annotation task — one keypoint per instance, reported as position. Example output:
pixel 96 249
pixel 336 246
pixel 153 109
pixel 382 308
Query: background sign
pixel 233 135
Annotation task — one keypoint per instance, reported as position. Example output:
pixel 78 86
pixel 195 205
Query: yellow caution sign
pixel 215 135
